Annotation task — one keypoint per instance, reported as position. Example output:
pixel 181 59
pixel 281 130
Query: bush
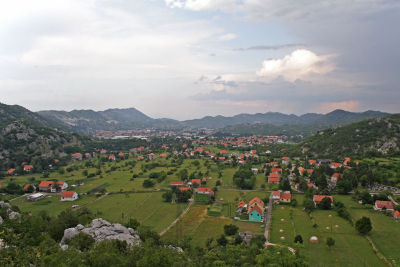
pixel 148 183
pixel 230 229
pixel 298 239
pixel 364 225
pixel 330 242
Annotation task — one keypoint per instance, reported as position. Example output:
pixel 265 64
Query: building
pixel 256 202
pixel 26 187
pixel 318 198
pixel 11 171
pixel 335 177
pixel 176 183
pixel 152 156
pixel 69 196
pixel 254 170
pixel 285 197
pixel 335 165
pixel 35 197
pixel 273 178
pixel 285 160
pixel 396 215
pixel 276 195
pixel 76 156
pixel 255 214
pixel 52 187
pixel 383 205
pixel 28 168
pixel 196 181
pixel 111 157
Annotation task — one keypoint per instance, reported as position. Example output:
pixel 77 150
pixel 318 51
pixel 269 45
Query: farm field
pixel 385 230
pixel 200 227
pixel 350 249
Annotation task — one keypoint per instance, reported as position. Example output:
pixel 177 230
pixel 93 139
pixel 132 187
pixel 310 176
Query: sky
pixel 185 59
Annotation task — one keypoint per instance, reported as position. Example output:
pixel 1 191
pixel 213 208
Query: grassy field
pixel 385 230
pixel 200 227
pixel 350 249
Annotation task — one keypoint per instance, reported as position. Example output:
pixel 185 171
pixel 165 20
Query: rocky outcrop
pixel 13 215
pixel 101 230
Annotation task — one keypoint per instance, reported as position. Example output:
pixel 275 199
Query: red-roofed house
pixel 111 157
pixel 10 171
pixel 318 198
pixel 204 190
pixel 121 154
pixel 335 177
pixel 380 205
pixel 273 178
pixel 152 156
pixel 335 165
pixel 277 170
pixel 69 196
pixel 196 181
pixel 26 187
pixel 396 215
pixel 184 188
pixel 312 162
pixel 256 202
pixel 163 155
pixel 285 160
pixel 76 156
pixel 176 183
pixel 49 186
pixel 276 195
pixel 28 168
pixel 255 214
pixel 241 204
pixel 285 197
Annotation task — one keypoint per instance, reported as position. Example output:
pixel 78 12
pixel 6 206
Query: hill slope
pixel 27 137
pixel 89 121
pixel 369 137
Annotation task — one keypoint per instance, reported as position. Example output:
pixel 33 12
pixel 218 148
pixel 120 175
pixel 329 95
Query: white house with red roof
pixel 383 205
pixel 335 165
pixel 286 160
pixel 50 186
pixel 28 168
pixel 176 183
pixel 69 196
pixel 335 177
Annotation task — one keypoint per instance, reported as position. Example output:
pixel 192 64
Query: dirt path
pixel 268 219
pixel 17 197
pixel 378 253
pixel 177 219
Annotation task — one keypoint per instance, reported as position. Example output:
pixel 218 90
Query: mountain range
pixel 89 121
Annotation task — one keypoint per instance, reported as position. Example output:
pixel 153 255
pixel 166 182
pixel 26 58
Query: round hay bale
pixel 282 208
pixel 330 216
pixel 283 238
pixel 336 226
pixel 314 239
pixel 327 228
pixel 221 199
pixel 282 220
pixel 281 231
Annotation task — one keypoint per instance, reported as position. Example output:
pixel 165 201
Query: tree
pixel 330 242
pixel 364 225
pixel 308 205
pixel 230 229
pixel 148 183
pixel 325 204
pixel 222 241
pixel 244 178
pixel 285 185
pixel 298 239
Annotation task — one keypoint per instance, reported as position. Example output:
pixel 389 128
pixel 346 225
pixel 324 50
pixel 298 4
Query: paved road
pixel 268 219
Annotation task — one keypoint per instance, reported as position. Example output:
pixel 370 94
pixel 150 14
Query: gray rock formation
pixel 1 220
pixel 101 230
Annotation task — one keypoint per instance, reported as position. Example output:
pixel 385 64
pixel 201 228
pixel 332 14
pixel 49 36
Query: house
pixel 273 178
pixel 276 170
pixel 26 187
pixel 383 205
pixel 35 197
pixel 10 171
pixel 176 183
pixel 312 162
pixel 88 156
pixel 335 165
pixel 111 157
pixel 286 160
pixel 28 168
pixel 103 151
pixel 254 170
pixel 76 156
pixel 396 215
pixel 255 214
pixel 152 156
pixel 184 189
pixel 50 186
pixel 196 181
pixel 242 207
pixel 276 195
pixel 285 197
pixel 205 191
pixel 335 177
pixel 256 202
pixel 69 196
pixel 163 155
pixel 204 180
pixel 121 155
pixel 318 198
pixel 346 161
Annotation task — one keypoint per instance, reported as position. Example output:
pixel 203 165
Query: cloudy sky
pixel 190 58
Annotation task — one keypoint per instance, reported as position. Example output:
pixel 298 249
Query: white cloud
pixel 200 5
pixel 300 64
pixel 227 37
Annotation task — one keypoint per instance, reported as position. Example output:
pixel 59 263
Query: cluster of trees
pixel 178 195
pixel 34 242
pixel 244 178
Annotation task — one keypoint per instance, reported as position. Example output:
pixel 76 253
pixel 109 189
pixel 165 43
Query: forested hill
pixel 379 136
pixel 27 137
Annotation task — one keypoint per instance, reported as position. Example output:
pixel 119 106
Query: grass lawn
pixel 350 249
pixel 200 227
pixel 51 203
pixel 385 230
pixel 148 208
